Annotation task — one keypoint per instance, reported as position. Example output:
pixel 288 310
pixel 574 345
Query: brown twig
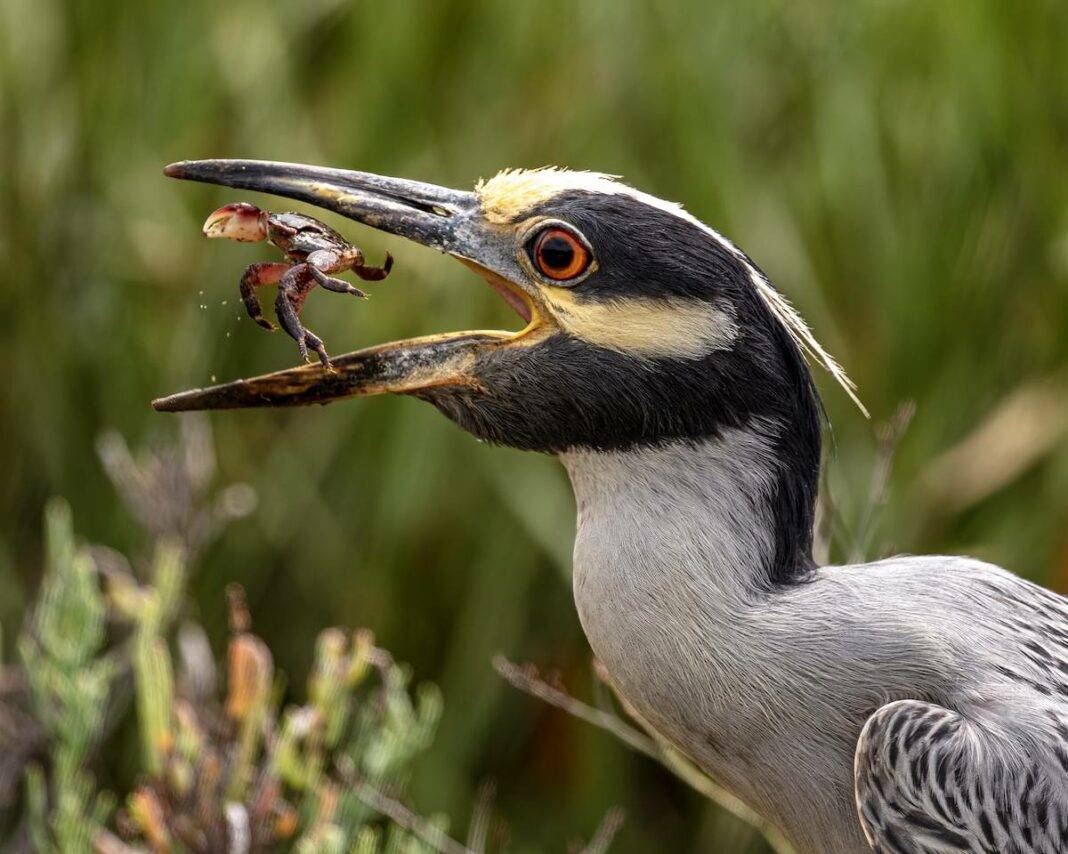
pixel 524 681
pixel 606 832
pixel 478 829
pixel 106 842
pixel 653 745
pixel 888 436
pixel 399 814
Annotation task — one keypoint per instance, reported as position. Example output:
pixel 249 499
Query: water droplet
pixel 201 293
pixel 223 302
pixel 227 334
pixel 213 377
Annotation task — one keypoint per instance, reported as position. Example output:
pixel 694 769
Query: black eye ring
pixel 559 254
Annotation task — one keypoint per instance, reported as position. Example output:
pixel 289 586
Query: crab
pixel 313 251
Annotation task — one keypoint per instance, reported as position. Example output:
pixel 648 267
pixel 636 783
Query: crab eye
pixel 559 255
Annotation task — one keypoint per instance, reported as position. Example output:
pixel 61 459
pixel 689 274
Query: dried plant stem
pixel 606 832
pixel 478 829
pixel 652 745
pixel 106 842
pixel 529 683
pixel 696 779
pixel 399 814
pixel 888 436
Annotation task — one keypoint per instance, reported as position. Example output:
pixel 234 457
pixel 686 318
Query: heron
pixel 913 704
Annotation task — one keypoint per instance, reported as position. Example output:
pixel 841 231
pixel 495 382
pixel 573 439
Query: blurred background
pixel 897 168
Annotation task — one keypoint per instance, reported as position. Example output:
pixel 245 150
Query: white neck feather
pixel 671 549
pixel 701 510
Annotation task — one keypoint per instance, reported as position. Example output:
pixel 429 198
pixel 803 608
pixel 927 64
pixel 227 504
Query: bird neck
pixel 736 509
pixel 675 561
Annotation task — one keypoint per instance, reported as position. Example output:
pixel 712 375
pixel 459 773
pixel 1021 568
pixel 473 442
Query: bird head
pixel 642 325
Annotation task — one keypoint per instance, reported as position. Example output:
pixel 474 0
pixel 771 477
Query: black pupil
pixel 557 252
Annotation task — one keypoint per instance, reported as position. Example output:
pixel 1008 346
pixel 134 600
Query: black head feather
pixel 566 393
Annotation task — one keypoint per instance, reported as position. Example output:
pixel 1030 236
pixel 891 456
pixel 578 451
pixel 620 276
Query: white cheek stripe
pixel 514 189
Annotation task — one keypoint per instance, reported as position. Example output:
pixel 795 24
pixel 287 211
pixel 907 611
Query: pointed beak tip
pixel 194 170
pixel 202 399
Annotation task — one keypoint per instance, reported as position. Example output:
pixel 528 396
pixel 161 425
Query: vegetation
pixel 236 773
pixel 896 167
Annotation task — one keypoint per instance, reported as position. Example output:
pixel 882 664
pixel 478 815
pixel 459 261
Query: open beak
pixel 444 219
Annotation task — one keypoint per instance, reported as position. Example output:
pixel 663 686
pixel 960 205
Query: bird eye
pixel 559 255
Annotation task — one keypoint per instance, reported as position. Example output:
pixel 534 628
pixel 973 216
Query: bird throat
pixel 710 504
pixel 673 551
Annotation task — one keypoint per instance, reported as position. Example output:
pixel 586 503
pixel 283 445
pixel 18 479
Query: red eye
pixel 559 255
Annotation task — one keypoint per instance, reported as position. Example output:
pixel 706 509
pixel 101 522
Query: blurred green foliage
pixel 896 166
pixel 69 680
pixel 213 773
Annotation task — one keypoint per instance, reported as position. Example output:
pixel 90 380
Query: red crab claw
pixel 237 221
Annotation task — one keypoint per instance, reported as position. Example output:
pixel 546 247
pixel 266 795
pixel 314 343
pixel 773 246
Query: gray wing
pixel 929 780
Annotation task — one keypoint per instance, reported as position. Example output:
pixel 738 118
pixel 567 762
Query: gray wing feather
pixel 929 780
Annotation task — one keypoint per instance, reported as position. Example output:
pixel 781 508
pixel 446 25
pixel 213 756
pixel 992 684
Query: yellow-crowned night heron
pixel 914 704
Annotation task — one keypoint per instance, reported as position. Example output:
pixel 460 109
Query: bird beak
pixel 443 219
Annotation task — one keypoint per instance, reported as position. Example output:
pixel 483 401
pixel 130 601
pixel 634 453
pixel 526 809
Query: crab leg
pixel 255 276
pixel 292 289
pixel 373 274
pixel 338 286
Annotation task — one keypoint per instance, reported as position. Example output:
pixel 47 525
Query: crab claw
pixel 238 221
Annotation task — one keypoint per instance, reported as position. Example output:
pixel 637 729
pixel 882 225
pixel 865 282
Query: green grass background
pixel 898 168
